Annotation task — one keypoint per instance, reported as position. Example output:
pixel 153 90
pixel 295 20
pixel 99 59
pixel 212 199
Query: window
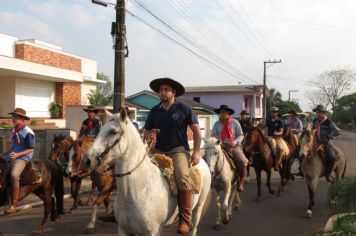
pixel 258 102
pixel 141 119
pixel 196 99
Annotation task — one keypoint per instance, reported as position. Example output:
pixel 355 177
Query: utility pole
pixel 265 88
pixel 118 32
pixel 291 91
pixel 119 35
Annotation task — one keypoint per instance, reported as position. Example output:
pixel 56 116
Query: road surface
pixel 278 216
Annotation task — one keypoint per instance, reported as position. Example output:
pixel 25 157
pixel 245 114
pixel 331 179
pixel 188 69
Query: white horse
pixel 313 167
pixel 144 203
pixel 224 180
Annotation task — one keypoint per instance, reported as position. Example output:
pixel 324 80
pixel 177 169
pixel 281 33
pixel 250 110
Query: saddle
pixel 30 175
pixel 230 158
pixel 165 164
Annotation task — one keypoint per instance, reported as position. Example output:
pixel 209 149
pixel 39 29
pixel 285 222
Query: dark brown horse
pixel 61 147
pixel 256 145
pixel 52 181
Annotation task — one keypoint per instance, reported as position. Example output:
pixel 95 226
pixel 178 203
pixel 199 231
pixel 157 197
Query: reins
pixel 109 148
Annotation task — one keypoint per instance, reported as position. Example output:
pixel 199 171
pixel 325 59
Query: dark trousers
pixel 330 158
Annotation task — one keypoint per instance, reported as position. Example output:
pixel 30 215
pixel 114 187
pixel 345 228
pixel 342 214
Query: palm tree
pixel 273 99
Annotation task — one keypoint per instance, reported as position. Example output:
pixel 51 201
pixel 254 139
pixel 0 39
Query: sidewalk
pixel 33 201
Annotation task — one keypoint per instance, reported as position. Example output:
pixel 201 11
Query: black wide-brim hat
pixel 155 85
pixel 320 108
pixel 292 112
pixel 20 112
pixel 91 108
pixel 244 112
pixel 225 108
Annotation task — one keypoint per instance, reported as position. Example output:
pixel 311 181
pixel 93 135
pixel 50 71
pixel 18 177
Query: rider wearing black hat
pixel 245 122
pixel 92 125
pixel 325 131
pixel 229 131
pixel 172 118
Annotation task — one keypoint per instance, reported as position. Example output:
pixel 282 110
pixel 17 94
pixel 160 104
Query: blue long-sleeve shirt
pixel 235 127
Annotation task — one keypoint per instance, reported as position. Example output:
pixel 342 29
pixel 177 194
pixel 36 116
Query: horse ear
pixel 108 114
pixel 123 113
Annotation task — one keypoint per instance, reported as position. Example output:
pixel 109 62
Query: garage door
pixel 35 100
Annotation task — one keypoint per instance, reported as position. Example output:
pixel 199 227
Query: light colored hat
pixel 20 112
pixel 274 109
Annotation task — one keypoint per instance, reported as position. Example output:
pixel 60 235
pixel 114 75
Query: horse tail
pixel 344 171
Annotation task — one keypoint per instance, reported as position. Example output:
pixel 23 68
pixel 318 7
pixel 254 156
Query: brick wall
pixel 47 57
pixel 68 93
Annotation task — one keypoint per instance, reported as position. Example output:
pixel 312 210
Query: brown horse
pixel 61 147
pixel 103 182
pixel 256 145
pixel 52 181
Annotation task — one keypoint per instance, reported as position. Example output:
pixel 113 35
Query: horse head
pixel 4 171
pixel 307 142
pixel 212 151
pixel 116 139
pixel 251 139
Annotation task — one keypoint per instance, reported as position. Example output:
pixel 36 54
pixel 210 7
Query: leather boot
pixel 241 184
pixel 14 199
pixel 185 211
pixel 328 170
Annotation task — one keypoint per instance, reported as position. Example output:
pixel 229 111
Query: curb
pixel 40 203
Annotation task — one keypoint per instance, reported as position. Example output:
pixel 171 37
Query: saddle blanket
pixel 165 164
pixel 30 175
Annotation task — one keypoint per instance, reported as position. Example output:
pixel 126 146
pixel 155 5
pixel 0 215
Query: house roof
pixel 199 107
pixel 225 88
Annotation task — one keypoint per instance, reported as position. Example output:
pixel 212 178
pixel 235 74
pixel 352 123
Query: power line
pixel 188 39
pixel 181 45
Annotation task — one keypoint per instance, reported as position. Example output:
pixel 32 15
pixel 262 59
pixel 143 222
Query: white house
pixel 34 73
pixel 241 97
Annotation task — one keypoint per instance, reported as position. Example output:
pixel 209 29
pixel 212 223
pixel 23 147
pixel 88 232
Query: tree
pixel 103 94
pixel 346 109
pixel 317 97
pixel 273 99
pixel 334 84
pixel 286 106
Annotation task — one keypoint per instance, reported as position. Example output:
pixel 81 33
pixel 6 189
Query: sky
pixel 235 36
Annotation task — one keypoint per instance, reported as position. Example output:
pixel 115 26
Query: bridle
pixel 109 148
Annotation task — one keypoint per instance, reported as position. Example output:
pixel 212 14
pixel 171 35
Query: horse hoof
pixel 90 230
pixel 237 207
pixel 225 221
pixel 40 230
pixel 272 192
pixel 217 226
pixel 308 214
pixel 58 221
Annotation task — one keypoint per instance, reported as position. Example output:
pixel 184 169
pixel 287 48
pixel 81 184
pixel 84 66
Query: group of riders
pixel 166 128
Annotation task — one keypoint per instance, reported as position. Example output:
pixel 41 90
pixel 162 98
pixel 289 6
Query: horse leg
pixel 312 185
pixel 248 173
pixel 232 198
pixel 197 214
pixel 47 208
pixel 90 198
pixel 237 199
pixel 268 183
pixel 218 206
pixel 258 178
pixel 101 197
pixel 225 207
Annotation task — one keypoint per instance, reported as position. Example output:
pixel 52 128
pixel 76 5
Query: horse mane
pixel 261 134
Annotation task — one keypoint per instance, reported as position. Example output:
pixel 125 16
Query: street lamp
pixel 118 32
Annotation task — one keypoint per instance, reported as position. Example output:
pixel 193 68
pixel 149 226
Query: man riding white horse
pixel 229 131
pixel 274 131
pixel 172 117
pixel 325 131
pixel 20 153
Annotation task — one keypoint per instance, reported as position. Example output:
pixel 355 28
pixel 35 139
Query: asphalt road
pixel 278 216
